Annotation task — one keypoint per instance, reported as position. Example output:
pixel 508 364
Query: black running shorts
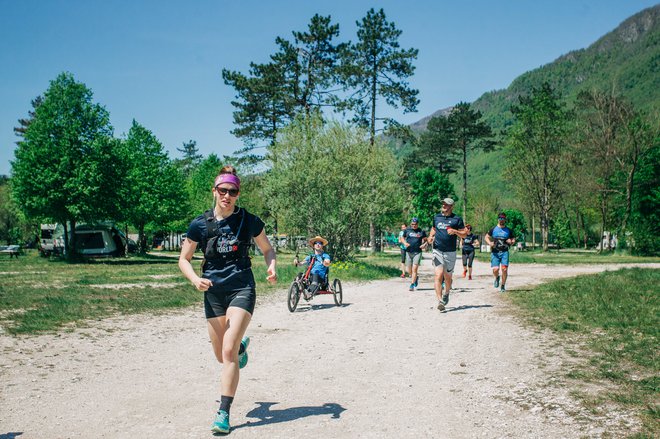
pixel 216 303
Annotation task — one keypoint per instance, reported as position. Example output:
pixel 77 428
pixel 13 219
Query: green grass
pixel 618 313
pixel 39 295
pixel 569 257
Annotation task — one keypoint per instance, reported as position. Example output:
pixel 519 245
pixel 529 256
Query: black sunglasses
pixel 224 191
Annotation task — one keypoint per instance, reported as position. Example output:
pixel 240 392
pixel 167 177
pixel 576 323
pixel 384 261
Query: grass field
pixel 44 295
pixel 616 316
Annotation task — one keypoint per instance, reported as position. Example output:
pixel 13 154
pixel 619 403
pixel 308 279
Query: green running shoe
pixel 221 422
pixel 497 282
pixel 502 289
pixel 243 358
pixel 445 299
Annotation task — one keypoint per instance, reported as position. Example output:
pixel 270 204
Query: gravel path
pixel 385 364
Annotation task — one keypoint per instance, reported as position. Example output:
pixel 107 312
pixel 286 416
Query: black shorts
pixel 403 255
pixel 217 302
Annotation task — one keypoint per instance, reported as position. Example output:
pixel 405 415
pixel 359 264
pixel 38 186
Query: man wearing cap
pixel 414 239
pixel 499 238
pixel 447 227
pixel 319 272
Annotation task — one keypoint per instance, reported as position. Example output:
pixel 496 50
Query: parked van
pixel 47 239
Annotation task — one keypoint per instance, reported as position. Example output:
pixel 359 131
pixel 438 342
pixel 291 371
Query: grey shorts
pixel 445 259
pixel 413 258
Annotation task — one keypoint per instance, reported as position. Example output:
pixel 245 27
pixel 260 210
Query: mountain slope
pixel 626 60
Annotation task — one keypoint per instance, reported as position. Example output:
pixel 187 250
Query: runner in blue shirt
pixel 499 238
pixel 447 227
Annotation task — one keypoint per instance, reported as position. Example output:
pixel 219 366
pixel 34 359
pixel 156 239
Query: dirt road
pixel 386 364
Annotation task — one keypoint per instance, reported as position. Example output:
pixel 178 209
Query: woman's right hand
pixel 202 284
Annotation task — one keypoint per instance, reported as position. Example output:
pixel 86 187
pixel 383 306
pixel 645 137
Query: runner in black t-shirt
pixel 446 228
pixel 414 239
pixel 225 234
pixel 469 243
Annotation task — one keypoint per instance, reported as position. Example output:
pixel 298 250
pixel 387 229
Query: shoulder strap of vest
pixel 244 228
pixel 211 224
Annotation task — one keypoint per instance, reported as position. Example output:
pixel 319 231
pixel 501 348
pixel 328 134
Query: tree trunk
pixel 533 232
pixel 372 138
pixel 71 250
pixel 142 242
pixel 603 221
pixel 126 244
pixel 544 231
pixel 65 249
pixel 464 146
pixel 577 227
pixel 629 189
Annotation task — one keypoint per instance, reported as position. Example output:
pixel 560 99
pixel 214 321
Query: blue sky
pixel 159 62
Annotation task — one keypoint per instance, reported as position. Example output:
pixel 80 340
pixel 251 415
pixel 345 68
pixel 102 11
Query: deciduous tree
pixel 330 180
pixel 536 150
pixel 428 188
pixel 154 189
pixel 66 166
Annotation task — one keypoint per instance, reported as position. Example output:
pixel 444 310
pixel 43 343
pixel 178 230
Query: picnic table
pixel 12 250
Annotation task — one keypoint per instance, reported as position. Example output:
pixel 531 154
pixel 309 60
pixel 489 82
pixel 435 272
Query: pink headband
pixel 228 178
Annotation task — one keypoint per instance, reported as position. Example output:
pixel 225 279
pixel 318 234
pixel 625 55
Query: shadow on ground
pixel 266 415
pixel 306 307
pixel 464 307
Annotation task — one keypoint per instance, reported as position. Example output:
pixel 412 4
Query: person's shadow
pixel 268 416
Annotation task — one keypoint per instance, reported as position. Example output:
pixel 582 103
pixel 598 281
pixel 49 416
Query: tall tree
pixel 375 66
pixel 435 148
pixel 639 137
pixel 263 104
pixel 602 125
pixel 536 150
pixel 315 82
pixel 469 133
pixel 154 189
pixel 191 157
pixel 300 78
pixel 24 123
pixel 65 167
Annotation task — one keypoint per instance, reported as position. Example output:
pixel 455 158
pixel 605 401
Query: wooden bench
pixel 12 250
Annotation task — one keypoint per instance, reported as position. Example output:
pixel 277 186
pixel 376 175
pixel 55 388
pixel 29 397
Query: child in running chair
pixel 319 272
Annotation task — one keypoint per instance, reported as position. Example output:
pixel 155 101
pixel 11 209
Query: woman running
pixel 225 234
pixel 469 243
